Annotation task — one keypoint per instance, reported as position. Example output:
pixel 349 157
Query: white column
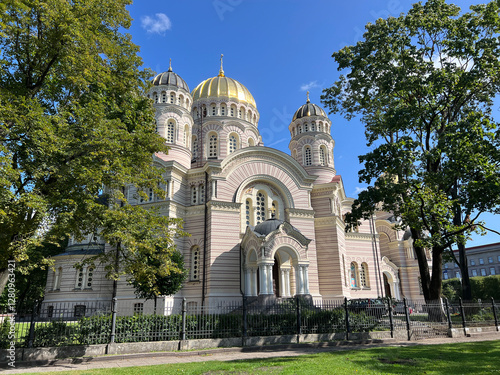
pixel 287 283
pixel 298 273
pixel 254 282
pixel 269 279
pixel 263 279
pixel 306 279
pixel 282 283
pixel 248 281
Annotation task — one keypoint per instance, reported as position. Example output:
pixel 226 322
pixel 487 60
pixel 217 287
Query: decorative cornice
pixel 224 206
pixel 329 221
pixel 360 236
pixel 297 212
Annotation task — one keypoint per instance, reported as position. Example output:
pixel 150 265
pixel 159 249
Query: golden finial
pixel 170 65
pixel 308 101
pixel 221 71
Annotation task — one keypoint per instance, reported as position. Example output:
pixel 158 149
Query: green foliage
pixel 74 117
pixel 424 84
pixel 55 333
pixel 483 288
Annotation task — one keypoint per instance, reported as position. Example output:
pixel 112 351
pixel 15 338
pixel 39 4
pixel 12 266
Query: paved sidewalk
pixel 229 354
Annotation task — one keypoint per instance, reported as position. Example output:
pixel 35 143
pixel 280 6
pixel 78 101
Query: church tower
pixel 311 144
pixel 173 101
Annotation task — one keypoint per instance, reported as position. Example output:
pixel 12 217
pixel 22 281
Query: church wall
pixel 329 238
pixel 224 256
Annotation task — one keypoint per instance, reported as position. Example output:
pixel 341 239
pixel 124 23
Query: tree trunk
pixel 423 266
pixel 4 278
pixel 464 272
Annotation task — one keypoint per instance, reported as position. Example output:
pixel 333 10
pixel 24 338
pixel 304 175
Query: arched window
pixel 233 110
pixel 204 111
pixel 251 142
pixel 307 155
pixel 313 126
pixel 363 275
pixel 320 127
pixel 254 119
pixel 354 275
pixel 223 110
pixel 212 146
pixel 240 114
pixel 322 155
pixel 306 127
pixel 249 116
pixel 260 209
pixel 181 100
pixel 90 278
pixel 163 97
pixel 155 97
pixel 233 143
pixel 300 129
pixel 170 131
pixel 195 264
pixel 248 212
pixel 172 98
pixel 195 147
pixel 213 109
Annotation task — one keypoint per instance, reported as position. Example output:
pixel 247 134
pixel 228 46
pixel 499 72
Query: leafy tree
pixel 424 85
pixel 74 118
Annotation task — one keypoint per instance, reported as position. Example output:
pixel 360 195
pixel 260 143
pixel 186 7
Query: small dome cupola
pixel 308 109
pixel 169 78
pixel 311 143
pixel 173 102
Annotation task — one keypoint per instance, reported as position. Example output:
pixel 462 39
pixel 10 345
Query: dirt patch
pixel 400 361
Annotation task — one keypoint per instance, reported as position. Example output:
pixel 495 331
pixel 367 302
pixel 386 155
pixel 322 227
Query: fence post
pixel 407 316
pixel 244 332
pixel 494 312
pixel 464 324
pixel 299 325
pixel 391 322
pixel 113 322
pixel 183 322
pixel 347 328
pixel 31 338
pixel 448 313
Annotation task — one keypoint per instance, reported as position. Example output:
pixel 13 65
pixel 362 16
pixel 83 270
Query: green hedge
pixel 143 328
pixel 483 288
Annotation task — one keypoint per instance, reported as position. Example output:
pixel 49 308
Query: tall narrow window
pixel 274 210
pixel 233 142
pixel 170 131
pixel 223 110
pixel 239 113
pixel 195 147
pixel 363 275
pixel 90 278
pixel 307 156
pixel 212 146
pixel 306 127
pixel 186 135
pixel 320 127
pixel 194 195
pixel 261 208
pixel 57 279
pixel 248 211
pixel 202 193
pixel 163 97
pixel 313 126
pixel 354 275
pixel 214 110
pixel 195 264
pixel 300 129
pixel 232 111
pixel 322 155
pixel 172 98
pixel 251 142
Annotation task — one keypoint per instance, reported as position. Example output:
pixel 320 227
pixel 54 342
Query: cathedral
pixel 263 223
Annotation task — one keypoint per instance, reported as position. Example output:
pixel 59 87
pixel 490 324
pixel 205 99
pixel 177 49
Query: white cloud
pixel 310 85
pixel 157 24
pixel 359 190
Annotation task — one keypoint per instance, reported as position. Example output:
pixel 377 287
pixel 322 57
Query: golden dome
pixel 222 86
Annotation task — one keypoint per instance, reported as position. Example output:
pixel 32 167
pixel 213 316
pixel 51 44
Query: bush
pixel 483 287
pixel 55 333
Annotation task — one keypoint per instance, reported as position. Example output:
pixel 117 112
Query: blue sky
pixel 278 49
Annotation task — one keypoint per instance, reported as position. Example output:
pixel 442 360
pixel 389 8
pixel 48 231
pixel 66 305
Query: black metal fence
pixel 97 323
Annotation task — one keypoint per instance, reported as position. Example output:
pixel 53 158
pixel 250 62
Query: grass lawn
pixel 464 358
